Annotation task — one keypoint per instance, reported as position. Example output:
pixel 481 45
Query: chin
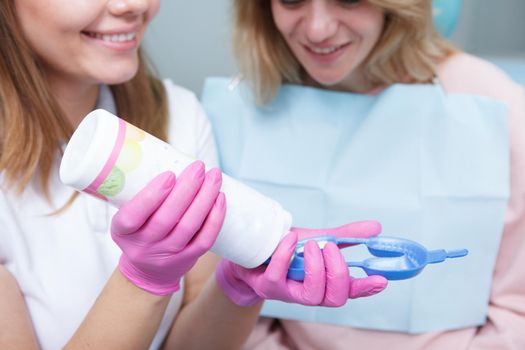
pixel 326 78
pixel 327 81
pixel 117 76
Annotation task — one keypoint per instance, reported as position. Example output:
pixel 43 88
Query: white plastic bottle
pixel 113 160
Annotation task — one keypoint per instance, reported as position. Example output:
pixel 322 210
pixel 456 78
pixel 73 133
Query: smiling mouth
pixel 325 50
pixel 112 38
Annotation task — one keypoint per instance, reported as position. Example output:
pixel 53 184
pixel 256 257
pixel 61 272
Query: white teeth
pixel 114 38
pixel 324 50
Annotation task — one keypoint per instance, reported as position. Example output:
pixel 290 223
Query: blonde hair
pixel 408 50
pixel 32 125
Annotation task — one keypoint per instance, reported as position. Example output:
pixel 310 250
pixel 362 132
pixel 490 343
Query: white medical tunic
pixel 62 262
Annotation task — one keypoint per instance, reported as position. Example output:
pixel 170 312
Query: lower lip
pixel 327 58
pixel 121 46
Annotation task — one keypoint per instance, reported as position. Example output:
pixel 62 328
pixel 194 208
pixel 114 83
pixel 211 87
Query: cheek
pixel 372 22
pixel 43 37
pixel 377 30
pixel 58 14
pixel 153 9
pixel 282 18
pixel 50 40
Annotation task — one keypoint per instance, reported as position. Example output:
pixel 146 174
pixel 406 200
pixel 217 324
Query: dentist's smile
pixel 120 41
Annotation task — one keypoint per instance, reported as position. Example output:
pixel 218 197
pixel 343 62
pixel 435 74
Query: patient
pixel 362 109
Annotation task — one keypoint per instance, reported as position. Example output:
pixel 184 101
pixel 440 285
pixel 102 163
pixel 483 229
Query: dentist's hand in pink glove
pixel 166 227
pixel 358 287
pixel 327 281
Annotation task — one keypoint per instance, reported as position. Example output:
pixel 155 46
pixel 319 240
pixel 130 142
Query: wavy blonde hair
pixel 408 50
pixel 32 125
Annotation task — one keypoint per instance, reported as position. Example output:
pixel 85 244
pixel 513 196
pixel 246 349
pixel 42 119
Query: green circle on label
pixel 113 184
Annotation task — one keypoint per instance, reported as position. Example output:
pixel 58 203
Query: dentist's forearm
pixel 212 321
pixel 123 317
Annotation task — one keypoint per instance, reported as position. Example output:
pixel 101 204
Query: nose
pixel 128 7
pixel 321 21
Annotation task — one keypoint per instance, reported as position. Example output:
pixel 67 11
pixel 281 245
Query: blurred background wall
pixel 190 40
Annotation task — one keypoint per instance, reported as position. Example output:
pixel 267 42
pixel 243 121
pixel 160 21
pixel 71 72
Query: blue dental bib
pixel 431 167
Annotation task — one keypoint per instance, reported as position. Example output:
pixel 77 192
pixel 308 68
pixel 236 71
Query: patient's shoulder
pixel 464 73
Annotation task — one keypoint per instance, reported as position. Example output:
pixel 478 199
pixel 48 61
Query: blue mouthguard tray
pixel 393 258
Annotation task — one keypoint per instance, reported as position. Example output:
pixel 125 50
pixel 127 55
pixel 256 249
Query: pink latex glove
pixel 166 227
pixel 326 282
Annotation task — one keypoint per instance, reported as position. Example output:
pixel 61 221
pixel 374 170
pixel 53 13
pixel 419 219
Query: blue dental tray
pixel 393 258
